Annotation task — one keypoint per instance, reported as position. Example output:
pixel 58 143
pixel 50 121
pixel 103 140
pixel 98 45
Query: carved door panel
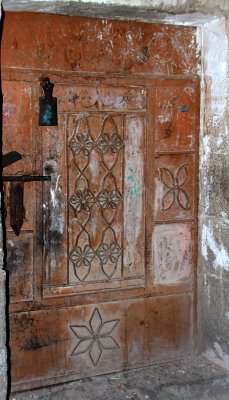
pixel 102 275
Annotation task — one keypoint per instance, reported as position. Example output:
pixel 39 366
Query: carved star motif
pixel 95 338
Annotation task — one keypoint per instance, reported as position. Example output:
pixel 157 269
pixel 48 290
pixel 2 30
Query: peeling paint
pixel 54 192
pixel 94 167
pixel 206 142
pixel 217 356
pixel 57 224
pixel 220 253
pixel 173 248
pixel 215 63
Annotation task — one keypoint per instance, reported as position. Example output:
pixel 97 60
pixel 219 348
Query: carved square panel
pixel 174 187
pixel 173 253
pixel 176 118
pixel 96 339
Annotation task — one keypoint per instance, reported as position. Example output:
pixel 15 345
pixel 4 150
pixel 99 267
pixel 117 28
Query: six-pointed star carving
pixel 95 338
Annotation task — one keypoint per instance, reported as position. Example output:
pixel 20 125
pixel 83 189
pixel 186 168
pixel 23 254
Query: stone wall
pixel 212 17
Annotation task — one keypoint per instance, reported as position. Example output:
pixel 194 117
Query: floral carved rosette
pixel 82 200
pixel 82 258
pixel 109 199
pixel 112 143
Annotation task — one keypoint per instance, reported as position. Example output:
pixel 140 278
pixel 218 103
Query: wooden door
pixel 102 276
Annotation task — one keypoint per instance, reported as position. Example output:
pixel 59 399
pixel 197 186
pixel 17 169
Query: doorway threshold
pixel 192 378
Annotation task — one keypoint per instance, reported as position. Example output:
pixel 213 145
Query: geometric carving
pixel 95 338
pixel 109 199
pixel 112 142
pixel 82 258
pixel 174 182
pixel 106 252
pixel 82 200
pixel 106 147
pixel 81 141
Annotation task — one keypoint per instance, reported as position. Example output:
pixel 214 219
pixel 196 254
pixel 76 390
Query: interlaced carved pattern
pixel 174 183
pixel 84 200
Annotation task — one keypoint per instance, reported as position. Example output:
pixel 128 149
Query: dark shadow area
pixel 3 216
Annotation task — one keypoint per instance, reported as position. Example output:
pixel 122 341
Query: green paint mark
pixel 47 116
pixel 135 189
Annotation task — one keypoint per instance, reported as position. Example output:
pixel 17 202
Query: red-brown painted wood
pixel 102 276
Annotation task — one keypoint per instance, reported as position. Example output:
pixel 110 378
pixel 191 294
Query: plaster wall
pixel 212 18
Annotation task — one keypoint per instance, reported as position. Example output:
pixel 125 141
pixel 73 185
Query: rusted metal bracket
pixel 10 158
pixel 17 209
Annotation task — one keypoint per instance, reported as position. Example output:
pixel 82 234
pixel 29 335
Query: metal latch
pixel 17 210
pixel 25 178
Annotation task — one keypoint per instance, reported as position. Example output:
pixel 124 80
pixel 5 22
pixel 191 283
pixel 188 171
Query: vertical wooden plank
pixel 134 200
pixel 20 266
pixel 55 203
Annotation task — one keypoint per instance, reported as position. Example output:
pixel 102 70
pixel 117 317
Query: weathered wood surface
pixel 102 276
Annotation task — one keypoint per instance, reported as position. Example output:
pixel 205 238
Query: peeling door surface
pixel 102 276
